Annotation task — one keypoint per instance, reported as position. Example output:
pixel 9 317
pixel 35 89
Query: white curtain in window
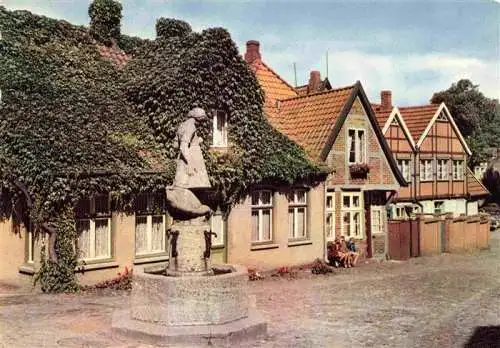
pixel 291 223
pixel 266 224
pixel 255 225
pixel 141 234
pixel 158 235
pixel 301 222
pixel 83 230
pixel 101 238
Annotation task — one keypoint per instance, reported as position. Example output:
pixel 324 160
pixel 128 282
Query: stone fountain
pixel 190 301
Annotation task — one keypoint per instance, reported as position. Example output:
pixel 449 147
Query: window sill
pixel 218 246
pixel 27 268
pixel 150 259
pixel 458 179
pixel 264 246
pixel 95 265
pixel 294 243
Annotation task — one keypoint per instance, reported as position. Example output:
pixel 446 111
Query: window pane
pixel 266 224
pixel 221 121
pixel 141 204
pixel 357 225
pixel 361 140
pixel 291 223
pixel 266 197
pixel 329 225
pixel 158 234
pixel 82 208
pixel 301 196
pixel 255 225
pixel 347 224
pixel 255 198
pixel 83 231
pixel 329 202
pixel 218 228
pixel 355 201
pixel 352 146
pixel 101 204
pixel 301 222
pixel 101 238
pixel 141 230
pixel 346 201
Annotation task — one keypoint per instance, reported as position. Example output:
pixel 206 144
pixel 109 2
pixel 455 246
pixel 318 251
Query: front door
pixel 378 233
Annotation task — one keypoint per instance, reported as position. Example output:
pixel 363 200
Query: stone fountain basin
pixel 189 300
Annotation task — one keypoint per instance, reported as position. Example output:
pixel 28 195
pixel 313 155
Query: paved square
pixel 426 302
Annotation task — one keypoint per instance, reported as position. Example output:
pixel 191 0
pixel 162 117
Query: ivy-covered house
pixel 88 118
pixel 336 127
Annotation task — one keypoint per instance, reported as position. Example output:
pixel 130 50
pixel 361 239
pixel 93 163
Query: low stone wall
pixel 190 300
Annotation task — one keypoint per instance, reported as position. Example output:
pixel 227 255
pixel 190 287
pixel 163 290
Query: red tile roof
pixel 275 88
pixel 114 54
pixel 381 114
pixel 474 185
pixel 418 117
pixel 310 119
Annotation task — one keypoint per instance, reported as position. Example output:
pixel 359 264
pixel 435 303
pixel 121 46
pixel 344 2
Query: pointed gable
pixel 417 118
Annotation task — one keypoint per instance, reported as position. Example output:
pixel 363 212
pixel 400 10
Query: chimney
pixel 252 53
pixel 314 82
pixel 386 100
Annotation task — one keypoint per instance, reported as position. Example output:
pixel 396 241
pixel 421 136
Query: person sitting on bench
pixel 351 246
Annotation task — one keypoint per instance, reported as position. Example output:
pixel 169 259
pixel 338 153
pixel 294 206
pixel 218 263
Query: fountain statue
pixel 189 300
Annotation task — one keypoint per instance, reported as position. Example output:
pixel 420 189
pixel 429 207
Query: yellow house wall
pixel 279 252
pixel 12 246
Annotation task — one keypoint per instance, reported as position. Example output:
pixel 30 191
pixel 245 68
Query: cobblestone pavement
pixel 425 302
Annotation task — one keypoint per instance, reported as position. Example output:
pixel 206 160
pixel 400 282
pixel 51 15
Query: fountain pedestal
pixel 189 248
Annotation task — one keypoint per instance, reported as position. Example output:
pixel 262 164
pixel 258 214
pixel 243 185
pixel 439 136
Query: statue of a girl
pixel 191 173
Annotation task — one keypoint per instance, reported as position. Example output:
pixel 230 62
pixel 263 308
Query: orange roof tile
pixel 275 88
pixel 309 120
pixel 381 114
pixel 474 186
pixel 418 117
pixel 114 54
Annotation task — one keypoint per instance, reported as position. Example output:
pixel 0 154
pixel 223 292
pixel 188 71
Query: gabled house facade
pixel 337 127
pixel 432 155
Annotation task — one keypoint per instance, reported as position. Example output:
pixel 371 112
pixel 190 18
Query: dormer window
pixel 219 138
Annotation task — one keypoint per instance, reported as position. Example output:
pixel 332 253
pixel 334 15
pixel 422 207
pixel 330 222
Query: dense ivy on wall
pixel 74 124
pixel 182 69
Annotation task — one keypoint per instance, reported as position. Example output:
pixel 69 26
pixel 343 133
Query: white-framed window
pixel 426 170
pixel 330 215
pixel 442 169
pixel 297 214
pixel 262 216
pixel 150 224
pixel 218 226
pixel 458 169
pixel 377 217
pixel 352 215
pixel 357 146
pixel 93 226
pixel 404 168
pixel 219 138
pixel 438 207
pixel 405 211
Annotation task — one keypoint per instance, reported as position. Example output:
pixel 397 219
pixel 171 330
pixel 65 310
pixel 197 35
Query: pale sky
pixel 413 48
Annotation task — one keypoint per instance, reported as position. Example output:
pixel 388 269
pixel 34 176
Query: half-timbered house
pixel 432 156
